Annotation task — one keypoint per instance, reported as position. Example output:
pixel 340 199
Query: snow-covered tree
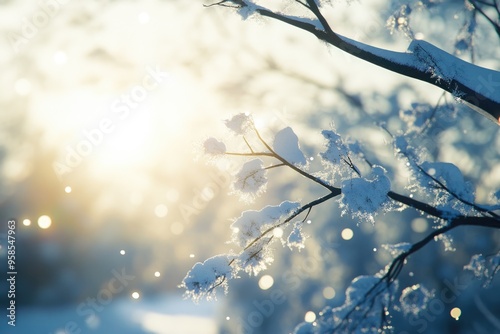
pixel 363 187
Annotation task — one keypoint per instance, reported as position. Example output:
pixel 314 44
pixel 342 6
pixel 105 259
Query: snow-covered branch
pixel 476 86
pixel 369 298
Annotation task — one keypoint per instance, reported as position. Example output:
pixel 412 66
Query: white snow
pixel 447 67
pixel 213 146
pixel 363 197
pixel 426 57
pixel 477 265
pixel 256 257
pixel 449 175
pixel 239 123
pixel 286 144
pixel 397 249
pixel 251 180
pixel 249 9
pixel 203 277
pixel 414 299
pixel 447 241
pixel 312 21
pixel 363 305
pixel 359 287
pixel 335 147
pixel 484 267
pixel 296 238
pixel 251 223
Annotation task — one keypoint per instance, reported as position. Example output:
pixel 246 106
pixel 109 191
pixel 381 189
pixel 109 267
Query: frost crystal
pixel 397 249
pixel 477 265
pixel 256 257
pixel 239 123
pixel 214 147
pixel 447 242
pixel 400 20
pixel 204 277
pixel 251 180
pixel 484 267
pixel 366 300
pixel 296 238
pixel 450 176
pixel 414 299
pixel 286 144
pixel 251 224
pixel 335 147
pixel 362 197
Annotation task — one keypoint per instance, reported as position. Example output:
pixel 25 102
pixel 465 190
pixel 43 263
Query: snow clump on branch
pixel 213 146
pixel 286 144
pixel 251 224
pixel 448 179
pixel 397 249
pixel 204 277
pixel 240 123
pixel 336 150
pixel 251 180
pixel 484 268
pixel 363 197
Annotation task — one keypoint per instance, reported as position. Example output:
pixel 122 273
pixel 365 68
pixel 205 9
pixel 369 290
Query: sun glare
pixel 126 145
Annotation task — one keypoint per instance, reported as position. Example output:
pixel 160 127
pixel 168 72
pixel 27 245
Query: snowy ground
pixel 161 315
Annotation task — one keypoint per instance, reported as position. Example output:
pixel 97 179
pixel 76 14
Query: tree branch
pixel 493 23
pixel 295 168
pixel 476 86
pixel 398 263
